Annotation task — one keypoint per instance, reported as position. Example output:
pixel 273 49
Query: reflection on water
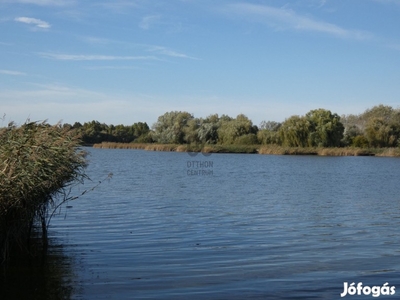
pixel 49 276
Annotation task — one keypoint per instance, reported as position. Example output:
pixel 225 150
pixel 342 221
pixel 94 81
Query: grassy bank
pixel 261 149
pixel 180 148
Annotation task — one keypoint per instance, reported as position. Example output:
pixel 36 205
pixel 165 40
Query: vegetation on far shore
pixel 260 149
pixel 319 132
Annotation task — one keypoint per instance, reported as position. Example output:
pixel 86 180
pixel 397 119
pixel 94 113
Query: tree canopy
pixel 378 126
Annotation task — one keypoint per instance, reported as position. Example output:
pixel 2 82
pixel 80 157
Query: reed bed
pixel 180 148
pixel 345 152
pixel 389 152
pixel 280 150
pixel 37 163
pixel 140 146
pixel 261 149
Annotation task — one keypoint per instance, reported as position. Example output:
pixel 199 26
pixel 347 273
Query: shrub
pixel 360 141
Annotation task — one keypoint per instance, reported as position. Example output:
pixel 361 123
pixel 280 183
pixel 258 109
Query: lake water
pixel 170 225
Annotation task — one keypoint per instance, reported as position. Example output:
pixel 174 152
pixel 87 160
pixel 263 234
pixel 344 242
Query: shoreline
pixel 254 149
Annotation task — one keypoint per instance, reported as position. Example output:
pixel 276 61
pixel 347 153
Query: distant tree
pixel 360 141
pixel 380 133
pixel 381 111
pixel 231 129
pixel 379 126
pixel 350 133
pixel 93 132
pixel 207 132
pixel 191 131
pixel 170 127
pixel 139 129
pixel 270 125
pixel 325 130
pixel 247 139
pixel 268 132
pixel 266 137
pixel 294 132
pixel 141 132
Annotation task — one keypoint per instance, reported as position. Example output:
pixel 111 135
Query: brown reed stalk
pixel 37 162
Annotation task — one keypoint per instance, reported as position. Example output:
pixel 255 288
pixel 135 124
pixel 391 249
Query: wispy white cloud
pixel 37 23
pixel 112 68
pixel 169 52
pixel 283 18
pixel 142 47
pixel 83 57
pixel 13 73
pixel 148 21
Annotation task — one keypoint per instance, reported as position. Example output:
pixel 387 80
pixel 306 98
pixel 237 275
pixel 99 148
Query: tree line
pixel 95 132
pixel 377 127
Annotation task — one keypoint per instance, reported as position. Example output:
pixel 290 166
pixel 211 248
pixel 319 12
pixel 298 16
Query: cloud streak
pixel 283 19
pixel 13 73
pixel 37 23
pixel 169 52
pixel 82 57
pixel 148 21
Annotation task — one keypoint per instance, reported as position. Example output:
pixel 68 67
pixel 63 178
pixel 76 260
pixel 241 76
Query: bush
pixel 360 141
pixel 247 139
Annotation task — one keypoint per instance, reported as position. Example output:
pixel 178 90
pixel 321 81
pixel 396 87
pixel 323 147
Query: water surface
pixel 248 227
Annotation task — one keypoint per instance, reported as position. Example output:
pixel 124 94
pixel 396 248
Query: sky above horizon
pixel 127 61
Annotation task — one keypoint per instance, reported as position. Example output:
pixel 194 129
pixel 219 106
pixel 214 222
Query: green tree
pixel 170 127
pixel 350 133
pixel 270 125
pixel 207 132
pixel 269 133
pixel 191 131
pixel 326 130
pixel 380 133
pixel 141 132
pixel 294 132
pixel 231 129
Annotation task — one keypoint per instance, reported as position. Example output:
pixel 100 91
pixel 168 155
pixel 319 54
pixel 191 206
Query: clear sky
pixel 125 61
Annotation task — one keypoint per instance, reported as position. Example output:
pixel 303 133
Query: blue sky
pixel 125 61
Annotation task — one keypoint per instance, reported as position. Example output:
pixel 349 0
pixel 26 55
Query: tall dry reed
pixel 37 163
pixel 264 149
